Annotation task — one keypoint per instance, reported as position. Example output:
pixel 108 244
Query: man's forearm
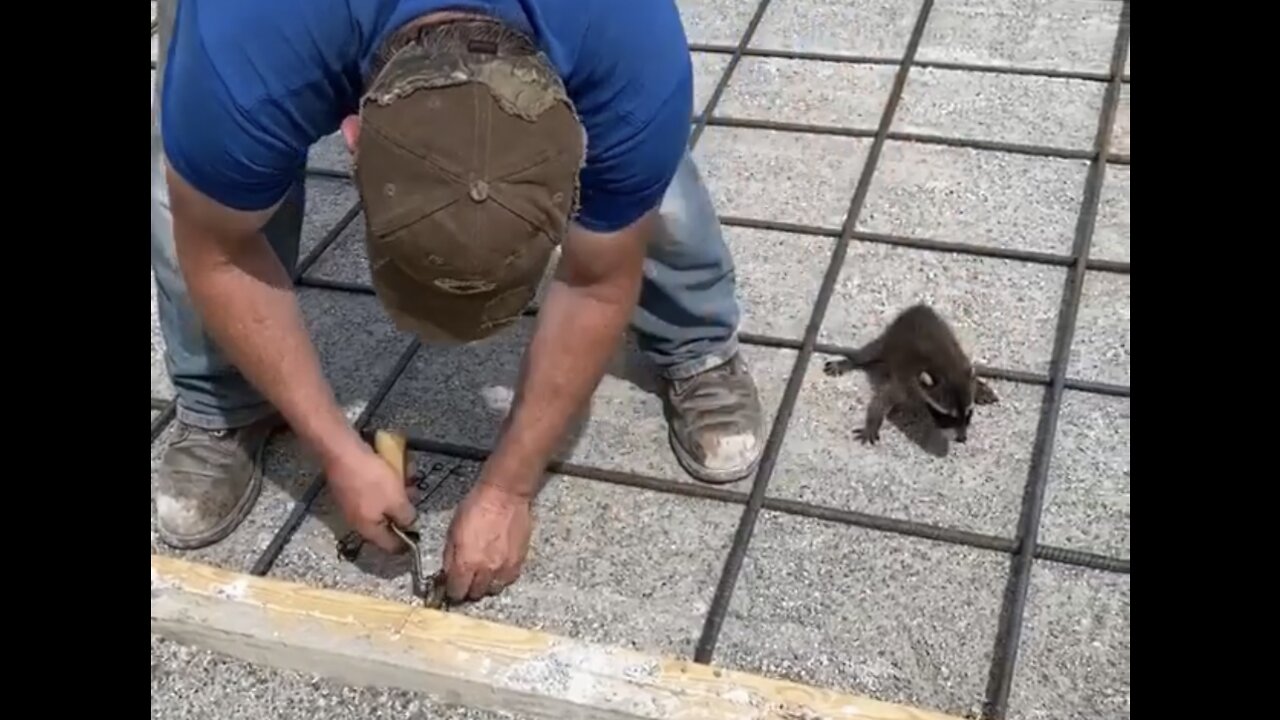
pixel 246 300
pixel 575 336
pixel 587 307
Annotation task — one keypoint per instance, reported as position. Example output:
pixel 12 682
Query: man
pixel 484 134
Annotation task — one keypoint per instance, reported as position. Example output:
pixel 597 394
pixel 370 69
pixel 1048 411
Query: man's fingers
pixel 403 513
pixel 501 581
pixel 458 582
pixel 379 534
pixel 446 557
pixel 414 492
pixel 507 575
pixel 480 584
pixel 351 132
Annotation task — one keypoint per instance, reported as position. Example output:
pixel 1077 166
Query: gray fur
pixel 920 360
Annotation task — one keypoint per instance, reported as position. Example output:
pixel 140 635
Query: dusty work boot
pixel 209 481
pixel 715 422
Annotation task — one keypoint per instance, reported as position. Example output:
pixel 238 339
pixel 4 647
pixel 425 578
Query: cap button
pixel 479 190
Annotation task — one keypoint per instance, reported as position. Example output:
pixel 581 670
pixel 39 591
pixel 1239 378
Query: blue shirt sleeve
pixel 628 177
pixel 225 150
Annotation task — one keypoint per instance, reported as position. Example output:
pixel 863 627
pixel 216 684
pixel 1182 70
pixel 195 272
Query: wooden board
pixel 359 640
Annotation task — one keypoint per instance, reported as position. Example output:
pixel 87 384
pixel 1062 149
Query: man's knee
pixel 680 191
pixel 163 253
pixel 164 257
pixel 687 211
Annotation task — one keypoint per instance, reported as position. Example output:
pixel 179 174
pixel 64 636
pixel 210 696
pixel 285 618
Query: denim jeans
pixel 686 320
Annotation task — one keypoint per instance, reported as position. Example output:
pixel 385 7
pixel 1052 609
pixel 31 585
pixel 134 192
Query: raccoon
pixel 923 362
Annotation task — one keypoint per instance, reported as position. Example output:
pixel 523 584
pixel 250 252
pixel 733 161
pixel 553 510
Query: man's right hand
pixel 371 494
pixel 245 298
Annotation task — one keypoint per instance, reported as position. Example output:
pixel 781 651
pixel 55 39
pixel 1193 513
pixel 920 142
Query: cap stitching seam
pixel 401 146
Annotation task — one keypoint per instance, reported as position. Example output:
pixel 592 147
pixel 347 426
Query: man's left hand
pixel 580 323
pixel 487 543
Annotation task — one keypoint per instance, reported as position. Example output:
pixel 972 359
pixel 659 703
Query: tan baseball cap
pixel 467 163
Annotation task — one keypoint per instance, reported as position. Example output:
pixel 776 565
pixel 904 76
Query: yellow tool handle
pixel 394 448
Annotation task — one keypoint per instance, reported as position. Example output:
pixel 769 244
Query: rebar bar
pixel 772 341
pixel 884 238
pixel 742 537
pixel 852 59
pixel 1004 658
pixel 700 123
pixel 330 237
pixel 928 531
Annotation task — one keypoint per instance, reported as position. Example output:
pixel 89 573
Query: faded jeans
pixel 686 320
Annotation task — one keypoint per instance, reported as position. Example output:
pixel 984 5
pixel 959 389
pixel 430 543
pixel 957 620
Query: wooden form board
pixel 360 640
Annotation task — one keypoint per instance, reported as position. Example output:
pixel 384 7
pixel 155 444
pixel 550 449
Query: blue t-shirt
pixel 250 85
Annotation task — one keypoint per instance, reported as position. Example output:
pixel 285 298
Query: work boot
pixel 209 481
pixel 714 422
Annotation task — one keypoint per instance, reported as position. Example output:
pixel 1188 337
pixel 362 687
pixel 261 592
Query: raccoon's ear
pixel 926 379
pixel 983 394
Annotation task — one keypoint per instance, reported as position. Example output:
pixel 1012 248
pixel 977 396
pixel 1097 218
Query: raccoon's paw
pixel 836 367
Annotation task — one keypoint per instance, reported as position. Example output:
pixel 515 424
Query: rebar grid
pixel 851 59
pixel 701 124
pixel 912 528
pixel 707 118
pixel 774 341
pixel 702 121
pixel 1024 548
pixel 1014 607
pixel 918 243
pixel 773 445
